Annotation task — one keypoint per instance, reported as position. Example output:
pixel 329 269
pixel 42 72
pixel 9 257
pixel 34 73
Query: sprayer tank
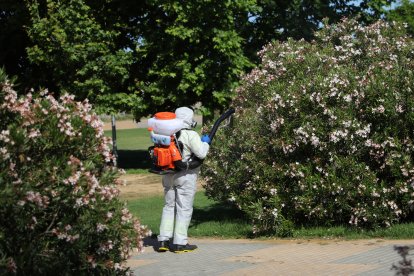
pixel 165 123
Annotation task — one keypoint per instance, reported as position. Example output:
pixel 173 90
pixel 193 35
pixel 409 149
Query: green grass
pixel 131 139
pixel 398 231
pixel 217 220
pixel 136 171
pixel 132 147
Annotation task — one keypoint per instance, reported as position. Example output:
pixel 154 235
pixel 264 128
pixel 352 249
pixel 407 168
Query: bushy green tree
pixel 403 13
pixel 71 51
pixel 192 52
pixel 59 206
pixel 322 132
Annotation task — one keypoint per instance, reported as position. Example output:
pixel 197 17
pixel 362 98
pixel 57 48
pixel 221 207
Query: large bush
pixel 59 209
pixel 323 132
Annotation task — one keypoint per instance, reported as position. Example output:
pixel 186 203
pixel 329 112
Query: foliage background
pixel 153 55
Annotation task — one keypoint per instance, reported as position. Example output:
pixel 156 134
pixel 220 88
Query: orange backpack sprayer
pixel 166 153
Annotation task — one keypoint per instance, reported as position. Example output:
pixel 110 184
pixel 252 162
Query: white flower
pixel 314 140
pixel 101 227
pixel 399 108
pixel 379 109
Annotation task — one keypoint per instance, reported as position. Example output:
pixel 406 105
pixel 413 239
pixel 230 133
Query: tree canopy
pixel 404 13
pixel 194 54
pixel 151 55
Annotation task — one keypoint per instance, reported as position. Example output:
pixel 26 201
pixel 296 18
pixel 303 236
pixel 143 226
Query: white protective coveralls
pixel 180 187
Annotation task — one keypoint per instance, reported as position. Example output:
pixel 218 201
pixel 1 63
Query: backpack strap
pixel 178 133
pixel 194 161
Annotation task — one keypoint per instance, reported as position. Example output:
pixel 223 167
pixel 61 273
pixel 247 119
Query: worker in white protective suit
pixel 180 188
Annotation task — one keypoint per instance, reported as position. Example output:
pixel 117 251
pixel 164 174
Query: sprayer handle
pixel 205 138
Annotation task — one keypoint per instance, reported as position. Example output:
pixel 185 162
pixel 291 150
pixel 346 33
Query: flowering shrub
pixel 59 209
pixel 323 132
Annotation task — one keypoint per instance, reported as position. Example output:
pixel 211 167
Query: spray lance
pixel 216 125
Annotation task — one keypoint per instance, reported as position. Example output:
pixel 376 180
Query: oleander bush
pixel 323 132
pixel 59 210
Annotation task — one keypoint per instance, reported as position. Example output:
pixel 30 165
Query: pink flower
pixel 11 265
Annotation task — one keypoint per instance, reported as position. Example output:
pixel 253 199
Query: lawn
pixel 212 219
pixel 132 139
pixel 132 147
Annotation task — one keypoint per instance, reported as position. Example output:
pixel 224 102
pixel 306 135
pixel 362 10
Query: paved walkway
pixel 275 257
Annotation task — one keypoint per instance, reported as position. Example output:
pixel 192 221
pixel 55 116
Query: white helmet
pixel 187 115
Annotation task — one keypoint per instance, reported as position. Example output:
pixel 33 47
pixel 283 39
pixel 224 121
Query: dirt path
pixel 143 185
pixel 140 185
pixel 137 185
pixel 126 124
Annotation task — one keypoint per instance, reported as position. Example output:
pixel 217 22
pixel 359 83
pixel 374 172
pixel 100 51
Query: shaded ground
pixel 134 159
pixel 136 185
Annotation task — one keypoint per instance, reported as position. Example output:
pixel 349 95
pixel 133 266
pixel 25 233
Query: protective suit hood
pixel 185 114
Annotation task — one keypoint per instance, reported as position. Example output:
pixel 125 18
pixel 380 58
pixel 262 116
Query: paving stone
pixel 208 259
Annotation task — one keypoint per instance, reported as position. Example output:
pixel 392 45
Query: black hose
pixel 223 117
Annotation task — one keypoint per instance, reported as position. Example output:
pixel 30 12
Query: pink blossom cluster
pixel 57 166
pixel 64 234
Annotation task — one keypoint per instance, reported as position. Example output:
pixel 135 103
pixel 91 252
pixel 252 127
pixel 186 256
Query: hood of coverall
pixel 185 114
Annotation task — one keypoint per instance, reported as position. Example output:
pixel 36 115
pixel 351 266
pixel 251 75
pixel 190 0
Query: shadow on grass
pixel 220 212
pixel 134 159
